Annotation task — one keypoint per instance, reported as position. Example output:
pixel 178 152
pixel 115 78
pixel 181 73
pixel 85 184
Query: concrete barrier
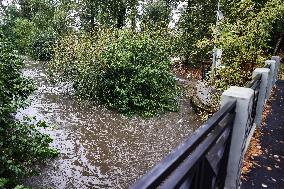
pixel 245 123
pixel 244 97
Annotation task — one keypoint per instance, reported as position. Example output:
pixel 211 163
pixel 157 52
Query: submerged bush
pixel 125 70
pixel 21 143
pixel 32 41
pixel 42 45
pixel 23 34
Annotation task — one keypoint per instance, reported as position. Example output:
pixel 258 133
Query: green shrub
pixel 4 182
pixel 21 143
pixel 24 31
pixel 194 24
pixel 156 15
pixel 14 89
pixel 244 39
pixel 126 71
pixel 42 45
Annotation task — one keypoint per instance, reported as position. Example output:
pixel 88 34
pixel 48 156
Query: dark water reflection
pixel 98 147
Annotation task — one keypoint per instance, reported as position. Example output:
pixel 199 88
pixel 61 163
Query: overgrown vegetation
pixel 244 38
pixel 34 26
pixel 21 143
pixel 194 25
pixel 119 55
pixel 125 70
pixel 244 35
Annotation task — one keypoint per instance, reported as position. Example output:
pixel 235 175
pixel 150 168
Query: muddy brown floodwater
pixel 99 148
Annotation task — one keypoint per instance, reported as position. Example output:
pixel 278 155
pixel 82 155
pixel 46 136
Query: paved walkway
pixel 270 172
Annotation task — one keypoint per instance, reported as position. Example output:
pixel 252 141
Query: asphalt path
pixel 269 172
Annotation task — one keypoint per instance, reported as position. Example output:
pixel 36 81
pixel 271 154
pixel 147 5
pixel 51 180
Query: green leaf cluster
pixel 41 47
pixel 127 71
pixel 21 143
pixel 244 37
pixel 156 15
pixel 34 27
pixel 194 25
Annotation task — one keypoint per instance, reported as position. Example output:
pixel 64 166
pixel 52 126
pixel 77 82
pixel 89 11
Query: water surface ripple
pixel 99 148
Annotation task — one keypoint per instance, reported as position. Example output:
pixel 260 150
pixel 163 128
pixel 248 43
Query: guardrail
pixel 212 156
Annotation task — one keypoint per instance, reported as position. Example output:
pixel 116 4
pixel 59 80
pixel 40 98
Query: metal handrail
pixel 161 171
pixel 255 85
pixel 254 82
pixel 267 65
pixel 177 178
pixel 188 164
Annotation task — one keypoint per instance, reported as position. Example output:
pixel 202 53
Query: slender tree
pixel 194 25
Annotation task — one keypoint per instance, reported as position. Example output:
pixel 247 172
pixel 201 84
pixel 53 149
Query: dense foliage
pixel 42 45
pixel 125 70
pixel 34 27
pixel 247 33
pixel 244 38
pixel 126 66
pixel 112 13
pixel 193 26
pixel 157 15
pixel 21 143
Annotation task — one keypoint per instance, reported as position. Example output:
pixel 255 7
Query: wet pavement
pixel 269 172
pixel 99 148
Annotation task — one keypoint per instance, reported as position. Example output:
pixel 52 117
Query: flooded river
pixel 99 148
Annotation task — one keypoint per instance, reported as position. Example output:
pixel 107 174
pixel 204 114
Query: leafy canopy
pixel 127 71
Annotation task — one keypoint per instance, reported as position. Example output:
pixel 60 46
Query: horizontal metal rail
pixel 267 66
pixel 186 168
pixel 253 84
pixel 164 169
pixel 201 160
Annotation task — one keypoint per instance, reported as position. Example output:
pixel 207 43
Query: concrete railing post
pixel 271 78
pixel 262 92
pixel 244 97
pixel 277 60
pixel 260 101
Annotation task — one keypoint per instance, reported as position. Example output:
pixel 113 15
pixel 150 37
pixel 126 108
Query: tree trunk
pixel 278 44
